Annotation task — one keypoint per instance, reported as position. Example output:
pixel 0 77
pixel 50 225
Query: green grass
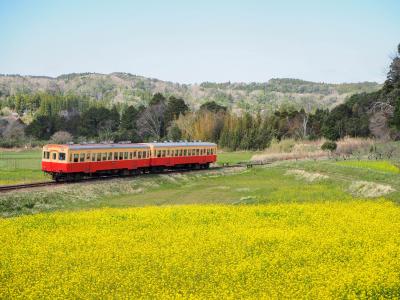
pixel 260 185
pixel 384 166
pixel 235 157
pixel 21 167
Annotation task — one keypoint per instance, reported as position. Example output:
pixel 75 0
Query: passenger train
pixel 73 162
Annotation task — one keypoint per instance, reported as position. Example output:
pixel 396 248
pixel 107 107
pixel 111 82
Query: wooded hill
pixel 137 90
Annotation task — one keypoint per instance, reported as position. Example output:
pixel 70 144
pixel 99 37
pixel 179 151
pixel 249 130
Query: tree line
pixel 81 119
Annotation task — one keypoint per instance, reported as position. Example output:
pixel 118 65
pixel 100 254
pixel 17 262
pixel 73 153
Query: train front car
pixel 182 155
pixel 54 159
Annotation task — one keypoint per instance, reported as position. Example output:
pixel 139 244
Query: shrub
pixel 329 146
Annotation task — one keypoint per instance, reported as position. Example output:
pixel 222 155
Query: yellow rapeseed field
pixel 313 250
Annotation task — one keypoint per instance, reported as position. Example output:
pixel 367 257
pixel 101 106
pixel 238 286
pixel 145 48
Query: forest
pixel 64 118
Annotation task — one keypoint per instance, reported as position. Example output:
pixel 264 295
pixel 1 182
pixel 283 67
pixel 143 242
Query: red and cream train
pixel 77 161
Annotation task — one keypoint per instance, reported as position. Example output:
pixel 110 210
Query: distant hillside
pixel 128 88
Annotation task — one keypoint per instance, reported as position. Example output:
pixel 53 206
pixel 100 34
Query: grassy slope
pixel 268 184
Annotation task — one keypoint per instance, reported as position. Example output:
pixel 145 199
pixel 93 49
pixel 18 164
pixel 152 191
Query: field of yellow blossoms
pixel 313 250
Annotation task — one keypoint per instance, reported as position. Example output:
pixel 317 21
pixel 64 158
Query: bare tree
pixel 380 113
pixel 151 122
pixel 61 137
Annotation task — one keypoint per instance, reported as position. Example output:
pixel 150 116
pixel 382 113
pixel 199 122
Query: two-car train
pixel 77 161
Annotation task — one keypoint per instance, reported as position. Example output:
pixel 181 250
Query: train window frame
pixel 75 157
pixel 61 156
pixel 82 157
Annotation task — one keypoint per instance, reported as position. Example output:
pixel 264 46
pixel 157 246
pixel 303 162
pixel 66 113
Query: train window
pixel 180 152
pixel 158 153
pixel 125 155
pixel 115 155
pixel 168 152
pixel 54 156
pixel 76 157
pixel 109 155
pixel 104 156
pixel 70 157
pixel 88 156
pixel 98 156
pixel 46 155
pixel 61 156
pixel 82 157
pixel 197 151
pixel 139 154
pixel 130 155
pixel 121 156
pixel 93 156
pixel 208 151
pixel 185 152
pixel 145 154
pixel 176 152
pixel 163 153
pixel 134 154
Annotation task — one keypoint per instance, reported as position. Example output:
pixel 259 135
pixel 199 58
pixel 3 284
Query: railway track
pixel 7 188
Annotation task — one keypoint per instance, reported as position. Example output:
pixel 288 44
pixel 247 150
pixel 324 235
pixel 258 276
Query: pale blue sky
pixel 195 41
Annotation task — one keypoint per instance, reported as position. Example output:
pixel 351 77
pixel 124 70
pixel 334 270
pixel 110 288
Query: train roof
pixel 183 144
pixel 132 145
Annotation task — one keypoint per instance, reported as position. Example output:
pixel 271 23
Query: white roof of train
pixel 138 145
